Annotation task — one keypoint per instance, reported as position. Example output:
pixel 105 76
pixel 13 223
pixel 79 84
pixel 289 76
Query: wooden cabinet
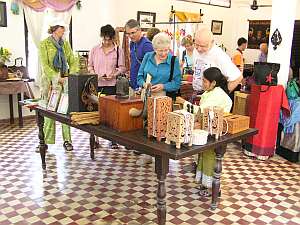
pixel 114 113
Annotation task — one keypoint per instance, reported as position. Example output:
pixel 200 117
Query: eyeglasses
pixel 131 33
pixel 161 51
pixel 201 46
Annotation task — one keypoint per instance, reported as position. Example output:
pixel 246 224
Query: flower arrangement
pixel 5 55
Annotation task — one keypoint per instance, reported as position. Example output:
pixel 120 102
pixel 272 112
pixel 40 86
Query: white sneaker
pixel 143 160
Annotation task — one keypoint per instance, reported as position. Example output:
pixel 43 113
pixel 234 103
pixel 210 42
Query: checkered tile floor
pixel 113 190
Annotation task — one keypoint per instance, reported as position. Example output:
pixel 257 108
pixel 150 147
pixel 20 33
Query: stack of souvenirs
pixel 178 126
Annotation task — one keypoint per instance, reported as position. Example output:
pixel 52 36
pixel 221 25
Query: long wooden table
pixel 162 152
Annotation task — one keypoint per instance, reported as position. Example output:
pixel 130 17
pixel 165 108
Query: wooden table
pixel 10 88
pixel 161 151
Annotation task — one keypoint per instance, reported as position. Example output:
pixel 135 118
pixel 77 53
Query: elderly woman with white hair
pixel 158 65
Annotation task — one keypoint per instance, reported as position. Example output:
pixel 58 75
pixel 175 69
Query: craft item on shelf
pixel 158 109
pixel 276 39
pixel 180 125
pixel 199 137
pixel 182 32
pixel 236 123
pixel 83 64
pixel 80 118
pixel 212 120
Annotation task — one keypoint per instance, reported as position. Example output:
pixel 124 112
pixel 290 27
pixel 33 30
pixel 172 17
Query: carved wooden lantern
pixel 212 120
pixel 180 125
pixel 158 108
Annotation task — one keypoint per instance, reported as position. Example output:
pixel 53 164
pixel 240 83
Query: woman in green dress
pixel 57 61
pixel 216 94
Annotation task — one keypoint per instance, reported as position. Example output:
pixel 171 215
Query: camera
pixel 188 70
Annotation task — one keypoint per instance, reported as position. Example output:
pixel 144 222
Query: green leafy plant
pixel 5 55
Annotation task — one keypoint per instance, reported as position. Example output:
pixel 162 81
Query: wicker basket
pixel 236 123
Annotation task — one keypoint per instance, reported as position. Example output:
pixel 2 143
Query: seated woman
pixel 157 65
pixel 216 94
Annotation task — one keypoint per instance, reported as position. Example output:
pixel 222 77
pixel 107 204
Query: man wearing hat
pixel 57 60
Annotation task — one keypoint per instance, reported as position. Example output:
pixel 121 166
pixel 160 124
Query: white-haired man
pixel 208 54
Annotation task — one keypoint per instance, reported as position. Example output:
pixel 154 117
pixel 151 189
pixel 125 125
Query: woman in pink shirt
pixel 107 60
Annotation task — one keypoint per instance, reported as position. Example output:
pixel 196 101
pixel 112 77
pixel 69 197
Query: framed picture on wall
pixel 3 14
pixel 145 19
pixel 216 27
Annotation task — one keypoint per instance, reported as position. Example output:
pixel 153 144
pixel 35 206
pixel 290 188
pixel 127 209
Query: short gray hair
pixel 132 24
pixel 161 40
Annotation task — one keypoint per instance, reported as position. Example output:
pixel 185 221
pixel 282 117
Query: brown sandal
pixel 68 146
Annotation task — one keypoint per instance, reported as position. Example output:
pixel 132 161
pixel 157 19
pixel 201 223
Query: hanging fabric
pixel 57 5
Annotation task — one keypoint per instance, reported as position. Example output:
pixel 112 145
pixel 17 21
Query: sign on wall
pixel 258 32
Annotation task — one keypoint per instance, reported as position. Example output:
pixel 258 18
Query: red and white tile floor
pixel 113 190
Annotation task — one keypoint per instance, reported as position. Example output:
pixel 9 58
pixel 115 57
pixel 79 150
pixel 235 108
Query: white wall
pixel 12 37
pixel 240 24
pixel 117 12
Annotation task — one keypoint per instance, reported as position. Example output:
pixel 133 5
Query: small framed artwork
pixel 3 14
pixel 54 100
pixel 63 105
pixel 216 27
pixel 146 19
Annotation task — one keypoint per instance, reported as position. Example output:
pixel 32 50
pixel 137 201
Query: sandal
pixel 114 145
pixel 68 146
pixel 205 193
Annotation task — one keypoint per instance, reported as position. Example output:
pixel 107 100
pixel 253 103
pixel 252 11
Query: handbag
pixel 292 89
pixel 172 94
pixel 266 73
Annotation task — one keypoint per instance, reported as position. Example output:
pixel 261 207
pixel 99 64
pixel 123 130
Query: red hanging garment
pixel 265 103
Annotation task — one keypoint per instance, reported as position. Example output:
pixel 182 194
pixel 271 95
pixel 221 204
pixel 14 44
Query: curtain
pixel 38 24
pixel 35 22
pixel 57 5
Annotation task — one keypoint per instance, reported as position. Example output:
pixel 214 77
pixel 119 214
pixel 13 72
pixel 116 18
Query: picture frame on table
pixel 63 105
pixel 145 19
pixel 53 100
pixel 216 27
pixel 3 14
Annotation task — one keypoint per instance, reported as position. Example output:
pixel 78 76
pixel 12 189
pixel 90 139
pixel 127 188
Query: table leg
pixel 161 170
pixel 11 109
pixel 220 151
pixel 92 146
pixel 42 145
pixel 20 111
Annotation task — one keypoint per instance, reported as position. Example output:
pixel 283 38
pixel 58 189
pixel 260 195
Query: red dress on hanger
pixel 265 104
